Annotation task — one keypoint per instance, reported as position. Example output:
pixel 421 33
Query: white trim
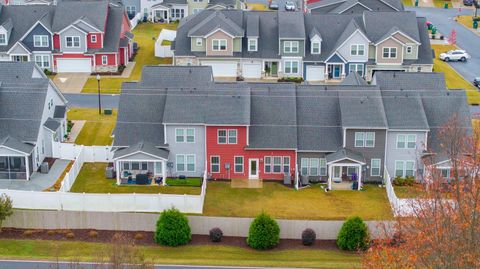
pixel 379 167
pixel 345 158
pixel 9 148
pixel 73 42
pixel 139 151
pixel 257 174
pixel 291 46
pixel 214 31
pixel 339 55
pixel 33 26
pixel 356 3
pixel 71 25
pixel 219 164
pixel 235 164
pixel 19 43
pixel 219 45
pixel 40 36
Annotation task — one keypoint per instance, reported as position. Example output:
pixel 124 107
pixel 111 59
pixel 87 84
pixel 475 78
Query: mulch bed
pixel 146 238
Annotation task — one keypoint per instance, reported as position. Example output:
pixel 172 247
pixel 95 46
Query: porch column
pixel 330 170
pixel 164 172
pixel 359 176
pixel 27 168
pixel 117 168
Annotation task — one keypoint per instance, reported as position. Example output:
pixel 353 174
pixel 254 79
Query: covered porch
pixel 345 170
pixel 15 159
pixel 160 13
pixel 142 164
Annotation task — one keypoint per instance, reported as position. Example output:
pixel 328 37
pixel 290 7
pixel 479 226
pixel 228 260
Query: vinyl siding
pixel 394 154
pixel 28 41
pixel 197 148
pixel 219 35
pixel 72 32
pixel 345 49
pixel 389 43
pixel 301 48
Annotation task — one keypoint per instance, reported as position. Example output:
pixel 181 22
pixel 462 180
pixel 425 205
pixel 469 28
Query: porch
pixel 15 159
pixel 271 69
pixel 345 170
pixel 160 13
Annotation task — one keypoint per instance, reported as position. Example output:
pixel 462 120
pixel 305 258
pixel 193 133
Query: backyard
pixel 453 79
pixel 97 130
pixel 92 180
pixel 145 36
pixel 286 203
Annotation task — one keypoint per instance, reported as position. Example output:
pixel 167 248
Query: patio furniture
pixel 158 180
pixel 141 179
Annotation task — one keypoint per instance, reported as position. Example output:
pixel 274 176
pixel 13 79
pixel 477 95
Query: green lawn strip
pixel 97 129
pixel 407 3
pixel 286 203
pixel 189 181
pixel 144 36
pixel 166 42
pixel 441 3
pixel 453 79
pixel 192 255
pixel 406 192
pixel 92 180
pixel 466 20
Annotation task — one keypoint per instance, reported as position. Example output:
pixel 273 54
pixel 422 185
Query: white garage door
pixel 315 73
pixel 74 66
pixel 252 70
pixel 223 69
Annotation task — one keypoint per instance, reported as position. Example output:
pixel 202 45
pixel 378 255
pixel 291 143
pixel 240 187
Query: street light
pixel 99 103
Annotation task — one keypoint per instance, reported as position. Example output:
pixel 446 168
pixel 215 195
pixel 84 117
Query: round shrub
pixel 308 237
pixel 216 235
pixel 353 235
pixel 70 235
pixel 139 236
pixel 264 232
pixel 93 234
pixel 172 229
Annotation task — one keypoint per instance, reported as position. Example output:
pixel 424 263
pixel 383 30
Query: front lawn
pixel 466 20
pixel 193 255
pixel 453 79
pixel 408 191
pixel 145 36
pixel 97 129
pixel 190 181
pixel 407 3
pixel 286 203
pixel 441 3
pixel 92 180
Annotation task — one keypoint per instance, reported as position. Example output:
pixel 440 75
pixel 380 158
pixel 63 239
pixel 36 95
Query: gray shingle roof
pixel 291 25
pixel 353 79
pixel 145 147
pixel 217 20
pixel 338 6
pixel 405 22
pixel 14 144
pixel 176 76
pixel 361 107
pixel 253 25
pixel 408 81
pixel 344 153
pixel 52 124
pixel 404 111
pixel 68 12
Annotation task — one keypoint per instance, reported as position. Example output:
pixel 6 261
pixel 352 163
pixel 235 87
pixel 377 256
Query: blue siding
pixel 38 30
pixel 335 59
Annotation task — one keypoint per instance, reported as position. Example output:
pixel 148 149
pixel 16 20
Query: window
pixel 232 136
pixel 178 13
pixel 180 163
pixel 313 166
pixel 315 47
pixel 158 168
pixel 286 164
pixel 190 163
pixel 42 61
pixel 304 166
pixel 72 41
pixel 445 172
pixel 404 168
pixel 183 135
pixel 219 44
pixel 409 49
pixel 215 164
pixel 390 53
pixel 351 170
pixel 409 168
pixel 190 135
pixel 238 164
pixel 198 41
pixel 179 135
pixel 135 165
pixel 40 41
pixel 406 141
pixel 3 39
pixel 144 166
pixel 290 47
pixel 104 59
pixel 93 38
pixel 366 139
pixel 375 167
pixel 323 167
pixel 196 10
pixel 222 136
pixel 314 162
pixel 252 44
pixel 267 164
pixel 357 68
pixel 126 166
pixel 277 164
pixel 130 10
pixel 357 50
pixel 291 67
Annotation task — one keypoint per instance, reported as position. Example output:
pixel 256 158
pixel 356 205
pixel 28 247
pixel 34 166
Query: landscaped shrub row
pixel 404 181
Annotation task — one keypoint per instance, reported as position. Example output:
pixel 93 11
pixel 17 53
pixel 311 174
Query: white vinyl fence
pixel 134 21
pixel 400 207
pixel 164 51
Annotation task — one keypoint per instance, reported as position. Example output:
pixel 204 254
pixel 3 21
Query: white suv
pixel 454 55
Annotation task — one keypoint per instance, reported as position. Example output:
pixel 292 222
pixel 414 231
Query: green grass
pixel 144 34
pixel 190 181
pixel 92 180
pixel 407 191
pixel 166 42
pixel 257 7
pixel 97 129
pixel 441 3
pixel 286 203
pixel 407 3
pixel 193 255
pixel 453 79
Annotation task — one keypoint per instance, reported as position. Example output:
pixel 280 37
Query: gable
pixel 39 29
pixel 403 38
pixel 72 29
pixel 18 49
pixel 218 33
pixel 4 151
pixel 389 41
pixel 335 58
pixel 86 27
pixel 357 8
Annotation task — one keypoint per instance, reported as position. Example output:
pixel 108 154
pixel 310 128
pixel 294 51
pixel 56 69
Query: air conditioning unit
pixel 109 173
pixel 44 168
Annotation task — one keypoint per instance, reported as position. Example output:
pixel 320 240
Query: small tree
pixel 264 232
pixel 172 229
pixel 353 235
pixel 6 208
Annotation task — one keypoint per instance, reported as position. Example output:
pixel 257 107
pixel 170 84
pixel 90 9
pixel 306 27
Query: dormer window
pixel 198 41
pixel 40 41
pixel 3 39
pixel 315 47
pixel 252 44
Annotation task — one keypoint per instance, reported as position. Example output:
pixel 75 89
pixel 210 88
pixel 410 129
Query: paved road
pixel 65 265
pixel 466 39
pixel 91 100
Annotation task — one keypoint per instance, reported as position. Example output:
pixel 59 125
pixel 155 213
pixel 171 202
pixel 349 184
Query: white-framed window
pixel 404 168
pixel 180 161
pixel 290 46
pixel 357 50
pixel 93 38
pixel 267 163
pixel 222 136
pixel 364 139
pixel 104 59
pixel 315 47
pixel 304 166
pixel 314 163
pixel 445 172
pixel 215 164
pixel 323 166
pixel 291 67
pixel 357 68
pixel 131 10
pixel 375 167
pixel 277 164
pixel 72 41
pixel 232 136
pixel 40 41
pixel 178 13
pixel 43 61
pixel 199 41
pixel 219 44
pixel 190 163
pixel 286 164
pixel 252 44
pixel 3 39
pixel 183 135
pixel 409 49
pixel 190 135
pixel 238 168
pixel 179 135
pixel 389 53
pixel 313 166
pixel 406 141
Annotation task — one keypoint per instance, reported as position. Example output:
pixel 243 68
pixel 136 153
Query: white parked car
pixel 290 6
pixel 454 55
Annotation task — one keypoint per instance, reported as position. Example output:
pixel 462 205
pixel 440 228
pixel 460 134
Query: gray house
pixel 353 6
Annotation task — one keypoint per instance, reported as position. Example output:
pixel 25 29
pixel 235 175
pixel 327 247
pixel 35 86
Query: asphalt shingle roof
pixel 291 25
pixel 361 107
pixel 343 154
pixel 176 76
pixel 145 147
pixel 92 12
pixel 217 20
pixel 338 6
pixel 51 124
pixel 14 144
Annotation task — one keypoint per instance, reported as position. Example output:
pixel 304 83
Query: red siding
pixel 125 25
pixel 227 153
pixel 97 44
pixel 121 56
pixel 66 56
pixel 110 59
pixel 56 41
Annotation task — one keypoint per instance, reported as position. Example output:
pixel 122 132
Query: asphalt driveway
pixel 71 82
